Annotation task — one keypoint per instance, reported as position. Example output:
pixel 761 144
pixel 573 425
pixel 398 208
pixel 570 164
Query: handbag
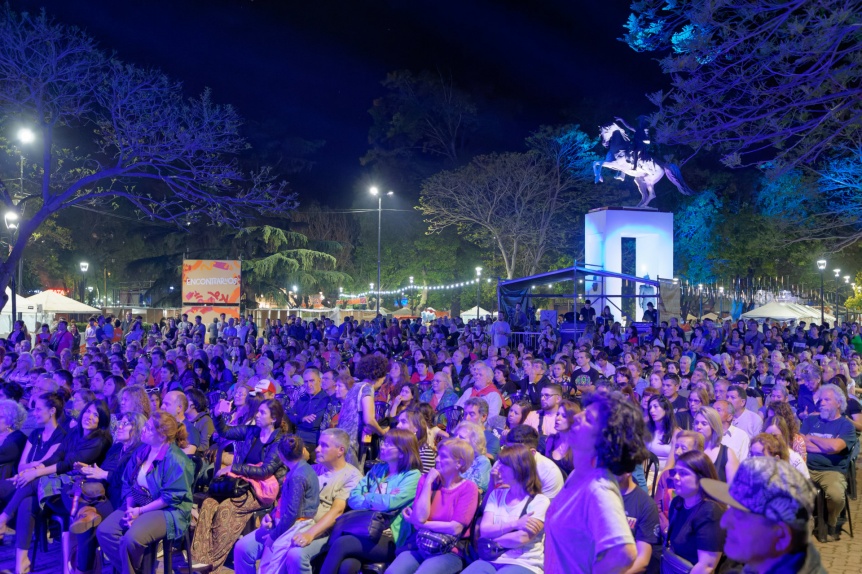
pixel 224 487
pixel 366 524
pixel 487 548
pixel 671 562
pixel 264 490
pixel 430 543
pixel 140 495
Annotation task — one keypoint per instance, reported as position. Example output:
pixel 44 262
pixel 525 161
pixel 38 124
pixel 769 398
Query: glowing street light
pixel 376 192
pixel 821 266
pixel 478 290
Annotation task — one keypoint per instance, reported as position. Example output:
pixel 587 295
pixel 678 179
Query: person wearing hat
pixel 264 389
pixel 769 504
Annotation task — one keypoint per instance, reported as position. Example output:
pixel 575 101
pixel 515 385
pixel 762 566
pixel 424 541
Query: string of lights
pixel 411 287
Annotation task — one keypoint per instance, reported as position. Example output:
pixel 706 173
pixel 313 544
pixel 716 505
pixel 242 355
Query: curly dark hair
pixel 372 367
pixel 622 443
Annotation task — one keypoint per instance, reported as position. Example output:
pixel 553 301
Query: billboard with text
pixel 211 282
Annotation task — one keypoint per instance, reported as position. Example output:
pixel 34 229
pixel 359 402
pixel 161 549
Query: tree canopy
pixel 109 132
pixel 758 80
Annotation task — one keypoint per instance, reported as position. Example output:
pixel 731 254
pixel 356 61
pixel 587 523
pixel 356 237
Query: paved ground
pixel 842 557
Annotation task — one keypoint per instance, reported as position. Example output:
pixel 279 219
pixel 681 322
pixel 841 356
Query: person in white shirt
pixel 748 421
pixel 549 473
pixel 734 437
pixel 501 331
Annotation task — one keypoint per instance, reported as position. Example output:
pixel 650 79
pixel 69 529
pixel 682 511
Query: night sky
pixel 312 69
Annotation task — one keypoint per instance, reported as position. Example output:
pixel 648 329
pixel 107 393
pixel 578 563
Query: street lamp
pixel 84 266
pixel 478 290
pixel 700 297
pixel 376 192
pixel 821 265
pixel 720 304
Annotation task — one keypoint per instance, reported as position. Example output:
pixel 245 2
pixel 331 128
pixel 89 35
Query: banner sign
pixel 209 282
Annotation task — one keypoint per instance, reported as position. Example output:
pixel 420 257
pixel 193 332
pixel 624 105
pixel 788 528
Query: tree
pixel 756 79
pixel 110 132
pixel 422 114
pixel 514 201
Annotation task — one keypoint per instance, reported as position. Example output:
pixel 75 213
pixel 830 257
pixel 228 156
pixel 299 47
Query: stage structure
pixel 605 278
pixel 650 232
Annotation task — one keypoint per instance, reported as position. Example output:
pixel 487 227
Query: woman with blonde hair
pixel 480 468
pixel 445 504
pixel 708 423
pixel 157 490
pixel 441 395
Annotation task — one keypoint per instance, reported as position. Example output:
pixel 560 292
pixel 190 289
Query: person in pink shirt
pixel 445 503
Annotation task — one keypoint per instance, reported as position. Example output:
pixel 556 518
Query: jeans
pixel 410 562
pixel 246 552
pixel 347 553
pixel 294 561
pixel 482 567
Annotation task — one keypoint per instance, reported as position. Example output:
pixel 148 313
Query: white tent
pixel 778 311
pixel 471 313
pixel 53 302
pixel 6 318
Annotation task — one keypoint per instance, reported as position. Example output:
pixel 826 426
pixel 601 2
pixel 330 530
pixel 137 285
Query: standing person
pixel 162 473
pixel 606 439
pixel 769 508
pixel 694 533
pixel 513 517
pixel 642 514
pixel 358 417
pixel 662 425
pixel 500 331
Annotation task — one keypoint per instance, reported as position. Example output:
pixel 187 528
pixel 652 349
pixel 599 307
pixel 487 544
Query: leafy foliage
pixel 755 79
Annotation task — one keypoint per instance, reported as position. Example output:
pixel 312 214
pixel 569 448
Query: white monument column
pixel 604 230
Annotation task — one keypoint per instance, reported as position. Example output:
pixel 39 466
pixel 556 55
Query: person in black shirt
pixel 534 382
pixel 642 515
pixel 585 376
pixel 587 314
pixel 650 315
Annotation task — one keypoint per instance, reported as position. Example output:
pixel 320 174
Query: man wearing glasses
pixel 543 419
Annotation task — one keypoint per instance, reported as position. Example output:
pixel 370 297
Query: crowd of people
pixel 398 446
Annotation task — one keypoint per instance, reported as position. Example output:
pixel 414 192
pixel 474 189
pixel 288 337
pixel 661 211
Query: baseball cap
pixel 263 386
pixel 769 487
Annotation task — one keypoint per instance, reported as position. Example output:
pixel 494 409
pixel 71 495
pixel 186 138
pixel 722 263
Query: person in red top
pixel 62 338
pixel 422 374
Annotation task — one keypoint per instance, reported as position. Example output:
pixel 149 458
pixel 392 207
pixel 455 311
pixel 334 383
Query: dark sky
pixel 312 68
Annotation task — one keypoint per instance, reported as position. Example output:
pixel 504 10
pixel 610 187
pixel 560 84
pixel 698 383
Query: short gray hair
pixel 13 413
pixel 338 436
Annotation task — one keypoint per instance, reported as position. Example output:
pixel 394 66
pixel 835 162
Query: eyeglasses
pixel 548 396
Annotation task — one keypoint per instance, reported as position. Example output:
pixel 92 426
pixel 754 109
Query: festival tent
pixel 778 311
pixel 404 313
pixel 53 303
pixel 6 318
pixel 471 313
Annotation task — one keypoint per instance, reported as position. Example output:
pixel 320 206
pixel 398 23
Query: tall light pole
pixel 700 299
pixel 376 192
pixel 478 290
pixel 846 310
pixel 84 267
pixel 821 265
pixel 25 136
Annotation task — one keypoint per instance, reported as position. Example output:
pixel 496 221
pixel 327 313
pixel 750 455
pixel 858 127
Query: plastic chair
pixel 651 464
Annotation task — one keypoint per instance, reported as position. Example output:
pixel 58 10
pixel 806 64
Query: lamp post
pixel 846 310
pixel 84 267
pixel 478 290
pixel 720 304
pixel 821 265
pixel 25 136
pixel 376 192
pixel 700 301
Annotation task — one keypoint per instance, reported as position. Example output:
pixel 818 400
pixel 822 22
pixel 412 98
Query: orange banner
pixel 211 282
pixel 208 313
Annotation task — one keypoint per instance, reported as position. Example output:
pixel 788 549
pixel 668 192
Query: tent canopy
pixel 20 303
pixel 779 311
pixel 53 302
pixel 471 313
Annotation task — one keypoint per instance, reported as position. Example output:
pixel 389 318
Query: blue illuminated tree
pixel 754 79
pixel 108 132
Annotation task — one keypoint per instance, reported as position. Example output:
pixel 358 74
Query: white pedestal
pixel 604 230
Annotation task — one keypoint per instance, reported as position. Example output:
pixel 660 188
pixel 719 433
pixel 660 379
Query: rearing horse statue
pixel 649 169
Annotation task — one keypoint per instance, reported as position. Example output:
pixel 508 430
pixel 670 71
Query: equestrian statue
pixel 628 156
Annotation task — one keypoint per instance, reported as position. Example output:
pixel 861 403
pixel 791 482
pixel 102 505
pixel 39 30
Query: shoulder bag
pixel 430 543
pixel 487 548
pixel 671 562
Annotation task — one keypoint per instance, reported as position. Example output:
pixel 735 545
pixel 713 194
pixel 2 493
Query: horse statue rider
pixel 628 156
